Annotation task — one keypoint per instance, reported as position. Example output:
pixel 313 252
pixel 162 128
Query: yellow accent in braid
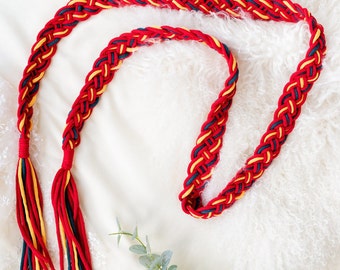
pixel 31 67
pixel 217 42
pixel 217 146
pixel 231 89
pixel 306 63
pixel 83 16
pixel 93 74
pixel 256 176
pixel 240 195
pixel 238 179
pixel 269 135
pixel 241 3
pixel 230 198
pixel 201 139
pixel 254 160
pixel 131 50
pixel 290 6
pixel 71 144
pixel 233 13
pixel 317 35
pixel 291 105
pixel 153 3
pixel 206 154
pixel 192 167
pixel 207 176
pixel 194 215
pixel 283 15
pixel 219 201
pixel 290 86
pixel 189 190
pixel 39 44
pixel 37 79
pixel 32 102
pixel 315 78
pixel 302 83
pixel 221 121
pixel 47 55
pixel 262 16
pixel 204 8
pixel 266 3
pixel 86 116
pixel 102 5
pixel 179 5
pixel 76 1
pixel 22 123
pixel 234 64
pixel 268 155
pixel 280 132
pixel 61 33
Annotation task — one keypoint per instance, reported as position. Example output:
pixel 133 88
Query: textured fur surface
pixel 136 146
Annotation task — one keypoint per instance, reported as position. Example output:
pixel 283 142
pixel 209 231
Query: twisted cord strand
pixel 205 154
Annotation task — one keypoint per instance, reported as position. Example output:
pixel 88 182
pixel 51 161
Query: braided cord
pixel 205 155
pixel 110 60
pixel 103 72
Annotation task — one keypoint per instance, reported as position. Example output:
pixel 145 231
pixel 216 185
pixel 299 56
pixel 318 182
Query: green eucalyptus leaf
pixel 145 260
pixel 156 262
pixel 148 248
pixel 135 234
pixel 154 256
pixel 138 249
pixel 118 224
pixel 166 257
pixel 173 267
pixel 118 239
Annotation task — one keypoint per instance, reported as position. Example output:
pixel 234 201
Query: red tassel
pixel 30 212
pixel 70 224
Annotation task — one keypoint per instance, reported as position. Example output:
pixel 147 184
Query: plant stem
pixel 131 235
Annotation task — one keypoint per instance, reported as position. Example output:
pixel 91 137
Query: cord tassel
pixel 70 224
pixel 30 213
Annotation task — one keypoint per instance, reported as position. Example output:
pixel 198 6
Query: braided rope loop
pixel 289 108
pixel 68 217
pixel 205 155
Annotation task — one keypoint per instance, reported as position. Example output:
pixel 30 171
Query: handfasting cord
pixel 102 73
pixel 205 155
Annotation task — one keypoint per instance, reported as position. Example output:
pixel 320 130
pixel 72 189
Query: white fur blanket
pixel 136 146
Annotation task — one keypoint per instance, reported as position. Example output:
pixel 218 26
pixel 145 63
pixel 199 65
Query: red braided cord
pixel 205 154
pixel 102 73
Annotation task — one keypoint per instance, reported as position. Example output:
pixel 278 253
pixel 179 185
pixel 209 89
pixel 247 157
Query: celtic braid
pixel 103 71
pixel 205 155
pixel 121 48
pixel 289 108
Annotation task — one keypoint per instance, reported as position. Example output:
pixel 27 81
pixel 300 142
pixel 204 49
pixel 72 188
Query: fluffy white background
pixel 136 146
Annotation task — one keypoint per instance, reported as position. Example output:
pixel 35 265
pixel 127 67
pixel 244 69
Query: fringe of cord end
pixel 29 207
pixel 205 155
pixel 70 224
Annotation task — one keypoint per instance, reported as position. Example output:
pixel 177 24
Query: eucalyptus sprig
pixel 150 260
